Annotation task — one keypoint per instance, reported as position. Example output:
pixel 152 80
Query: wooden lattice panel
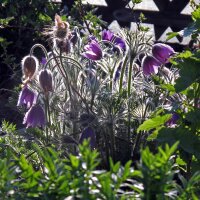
pixel 163 16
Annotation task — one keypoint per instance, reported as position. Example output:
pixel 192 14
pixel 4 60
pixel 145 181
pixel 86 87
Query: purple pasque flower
pixel 93 51
pixel 107 35
pixel 88 133
pixel 35 117
pixel 119 42
pixel 172 121
pixel 116 40
pixel 150 65
pixel 162 52
pixel 26 97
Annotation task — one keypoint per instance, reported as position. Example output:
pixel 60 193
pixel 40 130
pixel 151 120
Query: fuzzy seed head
pixel 61 29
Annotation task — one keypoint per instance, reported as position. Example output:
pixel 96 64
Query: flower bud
pixel 162 52
pixel 46 80
pixel 29 66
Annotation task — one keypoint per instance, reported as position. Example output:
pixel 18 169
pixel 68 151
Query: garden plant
pixel 107 116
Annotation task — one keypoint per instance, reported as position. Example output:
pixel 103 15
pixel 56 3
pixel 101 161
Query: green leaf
pixel 171 35
pixel 193 117
pixel 180 161
pixel 74 161
pixel 154 122
pixel 44 17
pixel 185 54
pixel 189 73
pixel 6 21
pixel 136 1
pixel 167 135
pixel 196 14
pixel 189 142
pixel 153 135
pixel 2 39
pixel 168 87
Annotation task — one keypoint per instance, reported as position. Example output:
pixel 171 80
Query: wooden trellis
pixel 168 14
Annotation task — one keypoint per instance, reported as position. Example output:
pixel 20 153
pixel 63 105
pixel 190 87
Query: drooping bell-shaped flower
pixel 173 120
pixel 26 97
pixel 35 117
pixel 46 80
pixel 150 65
pixel 93 51
pixel 162 52
pixel 29 66
pixel 88 133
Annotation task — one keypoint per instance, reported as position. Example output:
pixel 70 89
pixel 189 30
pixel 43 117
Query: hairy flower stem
pixel 55 57
pixel 47 116
pixel 129 95
pixel 122 74
pixel 112 134
pixel 73 98
pixel 110 141
pixel 40 46
pixel 61 69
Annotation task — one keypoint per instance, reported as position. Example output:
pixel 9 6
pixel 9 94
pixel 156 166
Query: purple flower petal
pixel 92 51
pixel 116 40
pixel 150 65
pixel 35 117
pixel 120 42
pixel 107 35
pixel 26 97
pixel 162 52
